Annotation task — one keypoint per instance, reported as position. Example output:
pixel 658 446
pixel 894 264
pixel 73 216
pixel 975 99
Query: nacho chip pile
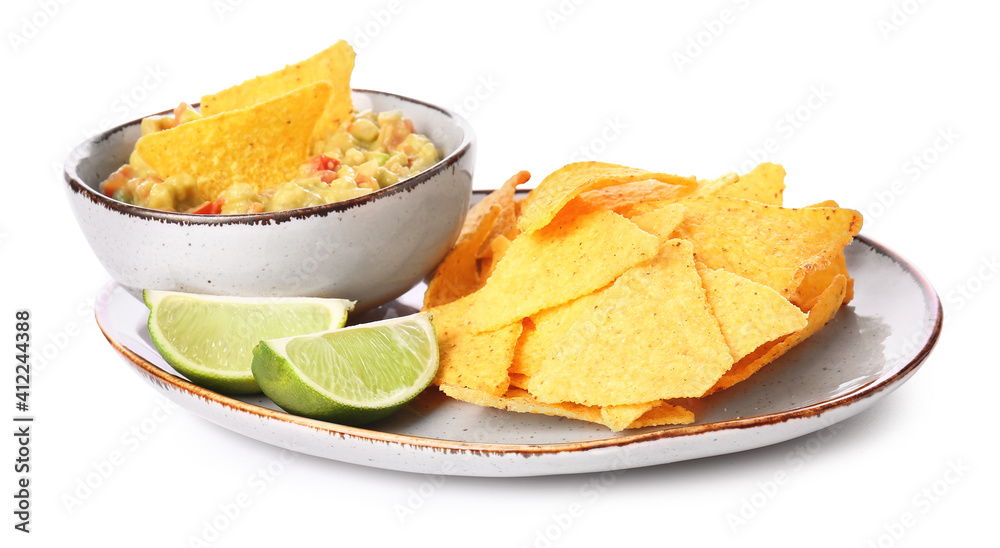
pixel 609 294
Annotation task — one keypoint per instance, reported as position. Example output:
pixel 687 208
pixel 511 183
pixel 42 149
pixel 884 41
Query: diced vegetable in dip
pixel 367 152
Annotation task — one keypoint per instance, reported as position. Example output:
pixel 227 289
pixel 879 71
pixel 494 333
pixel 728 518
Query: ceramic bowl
pixel 370 249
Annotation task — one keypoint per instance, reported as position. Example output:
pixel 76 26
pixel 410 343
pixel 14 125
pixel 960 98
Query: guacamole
pixel 367 152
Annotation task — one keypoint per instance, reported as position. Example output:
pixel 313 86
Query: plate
pixel 872 346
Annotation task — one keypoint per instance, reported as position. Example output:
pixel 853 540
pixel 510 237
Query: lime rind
pixel 296 392
pixel 216 376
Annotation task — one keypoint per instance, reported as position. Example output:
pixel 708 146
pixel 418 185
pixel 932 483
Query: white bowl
pixel 370 249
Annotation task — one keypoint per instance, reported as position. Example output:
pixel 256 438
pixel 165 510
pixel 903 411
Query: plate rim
pixel 885 380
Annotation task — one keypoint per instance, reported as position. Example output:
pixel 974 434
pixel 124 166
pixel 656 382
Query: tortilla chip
pixel 750 314
pixel 770 245
pixel 556 190
pixel 572 257
pixel 639 346
pixel 332 65
pixel 263 145
pixel 498 247
pixel 648 336
pixel 458 273
pixel 519 381
pixel 816 282
pixel 506 223
pixel 529 353
pixel 624 199
pixel 825 308
pixel 477 361
pixel 519 401
pixel 662 414
pixel 826 203
pixel 764 184
pixel 661 222
pixel 619 417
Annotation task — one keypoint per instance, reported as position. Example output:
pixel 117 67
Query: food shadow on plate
pixel 404 305
pixel 820 369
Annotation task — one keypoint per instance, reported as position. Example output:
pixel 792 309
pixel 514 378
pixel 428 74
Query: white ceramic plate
pixel 869 349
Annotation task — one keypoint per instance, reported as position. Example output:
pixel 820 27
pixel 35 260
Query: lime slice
pixel 352 376
pixel 210 339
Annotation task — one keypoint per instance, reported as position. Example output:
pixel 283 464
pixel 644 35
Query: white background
pixel 871 84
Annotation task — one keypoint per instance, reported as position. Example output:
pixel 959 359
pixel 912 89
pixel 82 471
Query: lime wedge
pixel 210 339
pixel 351 376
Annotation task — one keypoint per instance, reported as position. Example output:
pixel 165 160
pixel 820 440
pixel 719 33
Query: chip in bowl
pixel 262 145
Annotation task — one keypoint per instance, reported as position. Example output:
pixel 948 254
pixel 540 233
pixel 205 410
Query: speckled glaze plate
pixel 869 349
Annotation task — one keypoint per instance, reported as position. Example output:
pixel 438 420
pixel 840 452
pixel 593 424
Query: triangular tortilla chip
pixel 506 223
pixel 332 65
pixel 263 145
pixel 490 259
pixel 750 314
pixel 624 199
pixel 572 257
pixel 816 282
pixel 529 352
pixel 519 381
pixel 661 222
pixel 562 185
pixel 519 401
pixel 472 360
pixel 664 413
pixel 764 184
pixel 771 245
pixel 618 417
pixel 648 336
pixel 458 273
pixel 822 312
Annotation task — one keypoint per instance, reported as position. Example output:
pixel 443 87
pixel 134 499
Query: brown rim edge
pixel 810 411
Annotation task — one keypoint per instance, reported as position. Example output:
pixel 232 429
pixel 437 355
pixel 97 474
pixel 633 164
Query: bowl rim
pixel 79 152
